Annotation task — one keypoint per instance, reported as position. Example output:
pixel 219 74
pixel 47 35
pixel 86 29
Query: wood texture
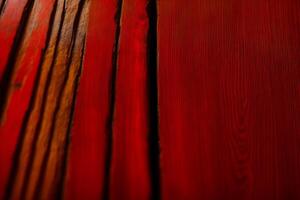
pixel 37 170
pixel 131 128
pixel 88 168
pixel 25 64
pixel 147 99
pixel 229 99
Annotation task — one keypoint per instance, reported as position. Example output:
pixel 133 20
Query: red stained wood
pixel 26 67
pixel 229 99
pixel 131 128
pixel 88 151
pixel 9 22
pixel 38 166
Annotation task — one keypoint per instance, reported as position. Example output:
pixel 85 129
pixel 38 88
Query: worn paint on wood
pixel 37 170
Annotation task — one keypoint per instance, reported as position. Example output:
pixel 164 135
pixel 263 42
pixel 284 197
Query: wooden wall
pixel 150 99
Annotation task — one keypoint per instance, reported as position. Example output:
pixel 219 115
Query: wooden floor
pixel 146 99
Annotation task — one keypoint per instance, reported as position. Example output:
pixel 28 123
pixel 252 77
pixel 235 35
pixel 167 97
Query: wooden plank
pixel 229 99
pixel 88 166
pixel 38 169
pixel 130 173
pixel 25 67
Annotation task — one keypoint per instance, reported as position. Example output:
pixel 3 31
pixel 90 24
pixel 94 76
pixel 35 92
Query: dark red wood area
pixel 150 99
pixel 129 159
pixel 229 99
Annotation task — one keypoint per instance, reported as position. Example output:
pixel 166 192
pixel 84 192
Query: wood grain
pixel 229 99
pixel 37 171
pixel 21 83
pixel 131 128
pixel 89 156
pixel 150 99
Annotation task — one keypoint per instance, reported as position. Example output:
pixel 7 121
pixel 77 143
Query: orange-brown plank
pixel 130 173
pixel 87 172
pixel 54 173
pixel 229 99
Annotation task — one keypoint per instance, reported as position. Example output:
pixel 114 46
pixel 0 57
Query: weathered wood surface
pixel 145 99
pixel 43 67
pixel 21 49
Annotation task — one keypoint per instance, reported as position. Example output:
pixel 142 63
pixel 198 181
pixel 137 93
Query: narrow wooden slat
pixel 87 172
pixel 229 99
pixel 26 67
pixel 130 173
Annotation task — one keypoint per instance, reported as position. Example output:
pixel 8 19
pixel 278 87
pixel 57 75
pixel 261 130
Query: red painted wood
pixel 9 21
pixel 129 167
pixel 88 150
pixel 23 82
pixel 229 99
